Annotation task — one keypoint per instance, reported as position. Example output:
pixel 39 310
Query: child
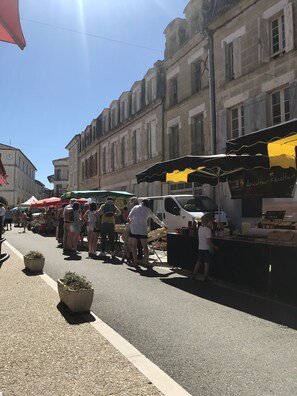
pixel 205 246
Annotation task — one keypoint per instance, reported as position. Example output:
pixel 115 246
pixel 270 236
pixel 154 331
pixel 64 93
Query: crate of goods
pixel 157 234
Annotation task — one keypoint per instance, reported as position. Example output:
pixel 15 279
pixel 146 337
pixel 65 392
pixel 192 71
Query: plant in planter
pixel 76 292
pixel 34 261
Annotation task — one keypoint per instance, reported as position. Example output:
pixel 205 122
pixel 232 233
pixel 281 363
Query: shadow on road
pixel 72 318
pixel 73 258
pixel 149 272
pixel 263 308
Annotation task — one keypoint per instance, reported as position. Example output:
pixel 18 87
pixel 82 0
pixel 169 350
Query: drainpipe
pixel 212 97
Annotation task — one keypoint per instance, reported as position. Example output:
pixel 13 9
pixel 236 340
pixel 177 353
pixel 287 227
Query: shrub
pixel 76 282
pixel 34 254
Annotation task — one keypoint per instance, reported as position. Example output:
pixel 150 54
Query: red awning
pixel 53 202
pixel 10 26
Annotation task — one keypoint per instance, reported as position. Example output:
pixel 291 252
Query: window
pixel 114 117
pixel 105 123
pixel 232 54
pixel 280 106
pixel 236 122
pixel 196 77
pixel 278 37
pixel 58 174
pixel 123 110
pixel 149 91
pixel 197 135
pixel 136 102
pixel 174 142
pixel 276 31
pixel 173 91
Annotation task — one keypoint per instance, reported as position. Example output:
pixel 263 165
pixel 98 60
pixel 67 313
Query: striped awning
pixel 202 169
pixel 278 143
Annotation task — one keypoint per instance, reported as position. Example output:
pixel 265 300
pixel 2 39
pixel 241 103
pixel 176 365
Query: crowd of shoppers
pixel 74 222
pixel 100 220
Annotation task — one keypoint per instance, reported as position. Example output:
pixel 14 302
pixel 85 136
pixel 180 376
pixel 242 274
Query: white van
pixel 177 210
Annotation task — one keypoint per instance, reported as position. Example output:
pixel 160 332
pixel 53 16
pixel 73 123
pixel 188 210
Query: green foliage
pixel 34 254
pixel 76 282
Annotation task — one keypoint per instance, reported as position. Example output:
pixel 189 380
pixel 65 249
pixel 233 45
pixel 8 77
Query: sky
pixel 80 56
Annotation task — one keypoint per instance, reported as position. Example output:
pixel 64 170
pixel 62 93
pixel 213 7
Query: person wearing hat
pixel 138 218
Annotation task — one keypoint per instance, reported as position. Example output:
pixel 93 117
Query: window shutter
pixel 153 139
pixel 264 40
pixel 249 116
pixel 226 60
pixel 260 111
pixel 237 57
pixel 293 99
pixel 222 130
pixel 289 29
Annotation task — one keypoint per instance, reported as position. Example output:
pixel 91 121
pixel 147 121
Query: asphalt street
pixel 210 339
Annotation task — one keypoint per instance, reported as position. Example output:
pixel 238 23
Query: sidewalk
pixel 46 352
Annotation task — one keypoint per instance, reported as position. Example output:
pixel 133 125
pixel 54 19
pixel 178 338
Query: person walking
pixel 25 219
pixel 90 215
pixel 68 219
pixel 205 246
pixel 134 202
pixel 138 218
pixel 75 228
pixel 8 218
pixel 108 211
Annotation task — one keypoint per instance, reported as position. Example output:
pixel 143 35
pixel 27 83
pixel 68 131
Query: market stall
pixel 262 164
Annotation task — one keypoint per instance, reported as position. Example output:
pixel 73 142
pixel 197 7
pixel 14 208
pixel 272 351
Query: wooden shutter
pixel 222 131
pixel 237 57
pixel 264 34
pixel 260 111
pixel 289 28
pixel 249 116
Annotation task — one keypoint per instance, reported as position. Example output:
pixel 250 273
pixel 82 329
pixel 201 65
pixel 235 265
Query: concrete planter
pixel 76 300
pixel 34 264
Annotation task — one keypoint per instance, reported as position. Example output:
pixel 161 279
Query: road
pixel 210 339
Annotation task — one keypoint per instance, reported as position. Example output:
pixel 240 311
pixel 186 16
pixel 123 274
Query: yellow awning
pixel 181 176
pixel 282 152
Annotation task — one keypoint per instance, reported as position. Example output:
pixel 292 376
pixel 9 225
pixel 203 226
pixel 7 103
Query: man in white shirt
pixel 138 218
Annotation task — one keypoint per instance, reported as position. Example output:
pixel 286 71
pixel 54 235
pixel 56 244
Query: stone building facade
pixel 60 177
pixel 21 175
pixel 229 69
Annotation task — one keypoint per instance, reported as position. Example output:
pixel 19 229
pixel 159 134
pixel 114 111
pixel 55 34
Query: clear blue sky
pixel 80 56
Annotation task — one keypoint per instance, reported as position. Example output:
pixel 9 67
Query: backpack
pixel 109 208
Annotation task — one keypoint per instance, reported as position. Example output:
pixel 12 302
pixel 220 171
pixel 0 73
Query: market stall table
pixel 256 262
